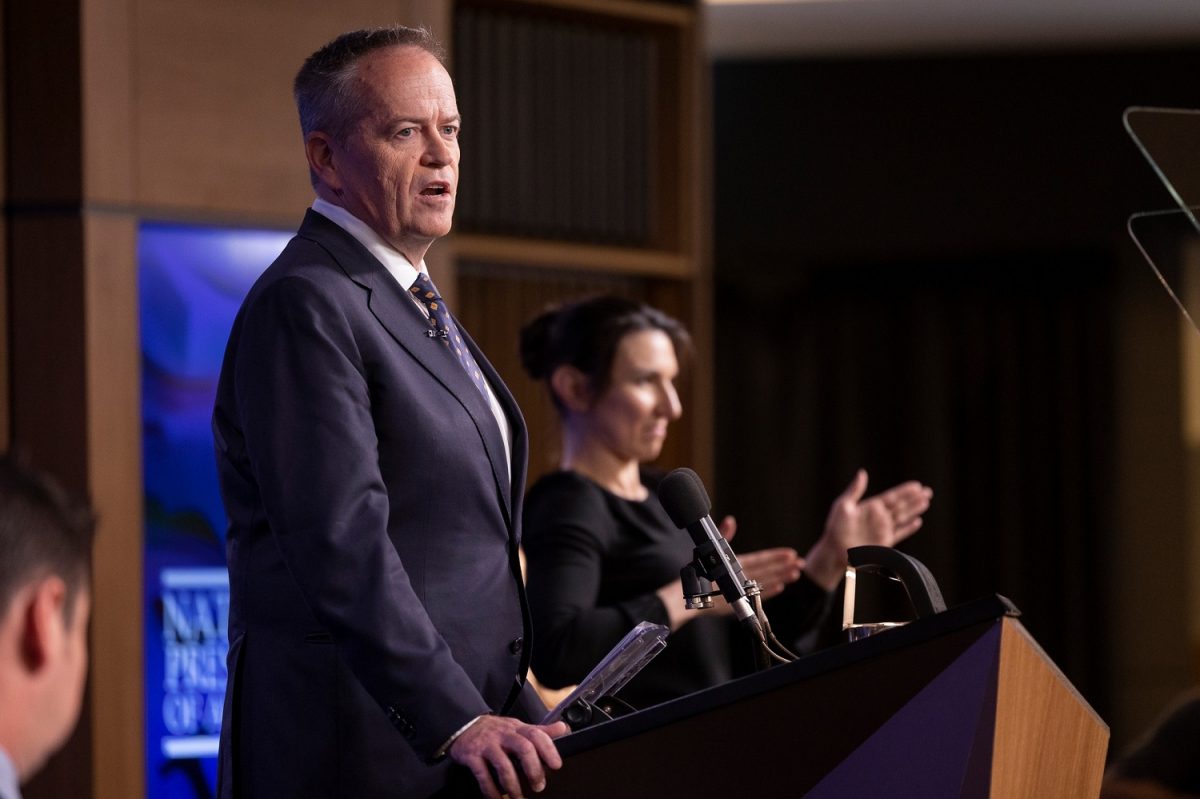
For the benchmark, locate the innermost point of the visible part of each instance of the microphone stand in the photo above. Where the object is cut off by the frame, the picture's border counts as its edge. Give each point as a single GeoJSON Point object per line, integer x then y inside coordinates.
{"type": "Point", "coordinates": [684, 499]}
{"type": "Point", "coordinates": [704, 568]}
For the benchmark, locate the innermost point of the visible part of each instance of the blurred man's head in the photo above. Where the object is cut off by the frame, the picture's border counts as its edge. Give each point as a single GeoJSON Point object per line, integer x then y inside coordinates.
{"type": "Point", "coordinates": [45, 599]}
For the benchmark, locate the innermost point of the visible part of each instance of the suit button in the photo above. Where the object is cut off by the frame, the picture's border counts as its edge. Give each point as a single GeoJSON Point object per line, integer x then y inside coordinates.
{"type": "Point", "coordinates": [400, 723]}
{"type": "Point", "coordinates": [516, 645]}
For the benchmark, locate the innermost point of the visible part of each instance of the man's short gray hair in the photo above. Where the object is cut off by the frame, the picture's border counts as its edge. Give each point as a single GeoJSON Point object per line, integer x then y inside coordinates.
{"type": "Point", "coordinates": [323, 88]}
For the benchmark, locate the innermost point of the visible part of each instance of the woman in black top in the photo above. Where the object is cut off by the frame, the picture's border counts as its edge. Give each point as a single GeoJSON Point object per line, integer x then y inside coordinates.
{"type": "Point", "coordinates": [602, 555]}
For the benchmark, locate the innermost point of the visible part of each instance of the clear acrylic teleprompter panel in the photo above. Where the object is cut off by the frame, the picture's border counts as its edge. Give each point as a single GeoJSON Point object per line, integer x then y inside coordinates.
{"type": "Point", "coordinates": [1170, 243]}
{"type": "Point", "coordinates": [1169, 138]}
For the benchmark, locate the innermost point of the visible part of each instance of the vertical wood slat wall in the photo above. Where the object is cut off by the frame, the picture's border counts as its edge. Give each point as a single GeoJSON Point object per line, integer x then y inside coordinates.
{"type": "Point", "coordinates": [172, 110]}
{"type": "Point", "coordinates": [602, 197]}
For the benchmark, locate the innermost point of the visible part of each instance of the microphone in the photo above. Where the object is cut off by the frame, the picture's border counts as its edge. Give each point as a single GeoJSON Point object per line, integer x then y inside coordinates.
{"type": "Point", "coordinates": [683, 496]}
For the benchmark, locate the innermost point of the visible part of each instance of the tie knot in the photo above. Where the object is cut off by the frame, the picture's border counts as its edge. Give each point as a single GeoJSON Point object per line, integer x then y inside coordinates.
{"type": "Point", "coordinates": [424, 290]}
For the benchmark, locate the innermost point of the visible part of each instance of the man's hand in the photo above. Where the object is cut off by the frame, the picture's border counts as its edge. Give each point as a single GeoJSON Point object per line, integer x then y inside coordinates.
{"type": "Point", "coordinates": [885, 519]}
{"type": "Point", "coordinates": [499, 745]}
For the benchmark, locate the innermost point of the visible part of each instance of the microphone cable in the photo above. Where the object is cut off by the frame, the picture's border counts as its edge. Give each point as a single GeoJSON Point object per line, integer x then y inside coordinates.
{"type": "Point", "coordinates": [780, 654]}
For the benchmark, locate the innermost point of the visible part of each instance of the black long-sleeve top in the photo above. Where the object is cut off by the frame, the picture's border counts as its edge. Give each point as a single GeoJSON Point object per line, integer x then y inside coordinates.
{"type": "Point", "coordinates": [594, 563]}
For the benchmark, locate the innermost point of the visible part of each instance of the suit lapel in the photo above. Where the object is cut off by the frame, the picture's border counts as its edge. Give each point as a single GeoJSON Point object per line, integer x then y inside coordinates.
{"type": "Point", "coordinates": [519, 438]}
{"type": "Point", "coordinates": [396, 312]}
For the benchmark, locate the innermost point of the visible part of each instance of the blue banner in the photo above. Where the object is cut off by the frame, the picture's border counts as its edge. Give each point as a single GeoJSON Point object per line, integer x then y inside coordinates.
{"type": "Point", "coordinates": [192, 279]}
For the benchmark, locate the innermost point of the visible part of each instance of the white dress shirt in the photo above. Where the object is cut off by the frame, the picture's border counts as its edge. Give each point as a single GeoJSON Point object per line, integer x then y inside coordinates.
{"type": "Point", "coordinates": [9, 788]}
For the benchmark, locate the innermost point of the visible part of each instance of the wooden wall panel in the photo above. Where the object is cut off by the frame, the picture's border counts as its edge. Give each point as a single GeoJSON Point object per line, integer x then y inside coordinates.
{"type": "Point", "coordinates": [4, 382]}
{"type": "Point", "coordinates": [43, 246]}
{"type": "Point", "coordinates": [42, 92]}
{"type": "Point", "coordinates": [109, 326]}
{"type": "Point", "coordinates": [3, 118]}
{"type": "Point", "coordinates": [5, 386]}
{"type": "Point", "coordinates": [113, 387]}
{"type": "Point", "coordinates": [47, 346]}
{"type": "Point", "coordinates": [49, 405]}
{"type": "Point", "coordinates": [107, 101]}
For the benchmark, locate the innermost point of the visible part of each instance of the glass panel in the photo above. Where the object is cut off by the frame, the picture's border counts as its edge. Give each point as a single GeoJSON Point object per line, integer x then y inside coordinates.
{"type": "Point", "coordinates": [1170, 140]}
{"type": "Point", "coordinates": [1167, 239]}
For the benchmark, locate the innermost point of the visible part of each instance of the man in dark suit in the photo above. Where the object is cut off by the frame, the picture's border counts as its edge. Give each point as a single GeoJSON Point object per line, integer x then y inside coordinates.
{"type": "Point", "coordinates": [372, 465]}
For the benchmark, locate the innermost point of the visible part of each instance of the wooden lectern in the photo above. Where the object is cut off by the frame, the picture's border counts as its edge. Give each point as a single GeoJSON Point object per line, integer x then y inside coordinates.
{"type": "Point", "coordinates": [961, 704]}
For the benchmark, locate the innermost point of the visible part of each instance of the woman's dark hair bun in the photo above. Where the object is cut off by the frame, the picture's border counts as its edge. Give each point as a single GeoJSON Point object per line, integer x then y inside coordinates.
{"type": "Point", "coordinates": [535, 344]}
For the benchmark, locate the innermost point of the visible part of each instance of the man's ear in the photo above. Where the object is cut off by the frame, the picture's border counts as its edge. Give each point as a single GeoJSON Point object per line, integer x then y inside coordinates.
{"type": "Point", "coordinates": [318, 148]}
{"type": "Point", "coordinates": [43, 622]}
{"type": "Point", "coordinates": [572, 388]}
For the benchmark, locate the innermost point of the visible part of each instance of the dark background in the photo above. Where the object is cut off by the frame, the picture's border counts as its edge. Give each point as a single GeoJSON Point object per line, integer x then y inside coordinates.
{"type": "Point", "coordinates": [921, 268]}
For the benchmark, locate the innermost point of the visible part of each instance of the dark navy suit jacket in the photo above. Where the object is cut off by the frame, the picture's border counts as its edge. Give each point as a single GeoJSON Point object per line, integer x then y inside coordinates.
{"type": "Point", "coordinates": [376, 603]}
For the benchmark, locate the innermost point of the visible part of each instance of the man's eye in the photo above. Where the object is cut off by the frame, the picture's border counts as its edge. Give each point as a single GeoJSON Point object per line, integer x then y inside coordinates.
{"type": "Point", "coordinates": [406, 133]}
{"type": "Point", "coordinates": [450, 130]}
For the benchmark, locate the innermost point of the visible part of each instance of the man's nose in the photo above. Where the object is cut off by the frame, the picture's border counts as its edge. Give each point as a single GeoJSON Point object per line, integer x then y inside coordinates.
{"type": "Point", "coordinates": [438, 151]}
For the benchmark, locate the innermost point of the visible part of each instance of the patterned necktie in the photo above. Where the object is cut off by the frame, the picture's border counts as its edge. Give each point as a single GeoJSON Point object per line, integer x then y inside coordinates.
{"type": "Point", "coordinates": [441, 326]}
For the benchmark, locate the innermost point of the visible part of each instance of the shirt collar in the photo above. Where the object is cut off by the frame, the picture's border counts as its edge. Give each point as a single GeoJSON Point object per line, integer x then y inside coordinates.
{"type": "Point", "coordinates": [392, 259]}
{"type": "Point", "coordinates": [9, 787]}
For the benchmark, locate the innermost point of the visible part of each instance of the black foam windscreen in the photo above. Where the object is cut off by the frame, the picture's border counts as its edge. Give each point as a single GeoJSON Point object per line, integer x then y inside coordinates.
{"type": "Point", "coordinates": [683, 497]}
